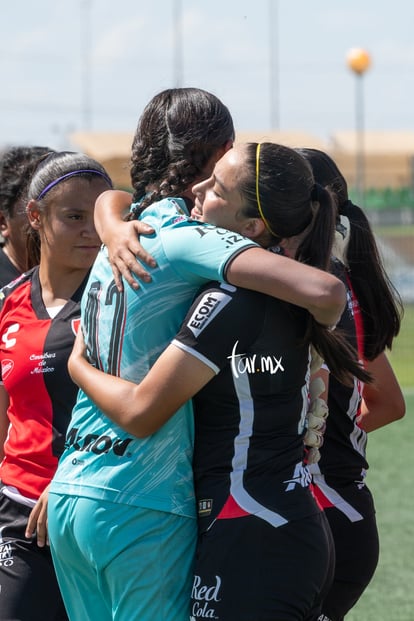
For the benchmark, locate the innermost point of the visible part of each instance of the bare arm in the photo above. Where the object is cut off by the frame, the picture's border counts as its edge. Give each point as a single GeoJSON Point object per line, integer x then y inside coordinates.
{"type": "Point", "coordinates": [321, 293]}
{"type": "Point", "coordinates": [141, 409]}
{"type": "Point", "coordinates": [4, 419]}
{"type": "Point", "coordinates": [111, 208]}
{"type": "Point", "coordinates": [383, 401]}
{"type": "Point", "coordinates": [122, 238]}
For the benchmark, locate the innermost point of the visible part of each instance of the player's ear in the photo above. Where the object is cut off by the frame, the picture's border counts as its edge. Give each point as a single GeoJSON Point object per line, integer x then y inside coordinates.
{"type": "Point", "coordinates": [253, 228]}
{"type": "Point", "coordinates": [4, 225]}
{"type": "Point", "coordinates": [33, 214]}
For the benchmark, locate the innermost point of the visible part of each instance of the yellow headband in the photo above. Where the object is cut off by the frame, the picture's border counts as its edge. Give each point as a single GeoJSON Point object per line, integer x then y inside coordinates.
{"type": "Point", "coordinates": [267, 225]}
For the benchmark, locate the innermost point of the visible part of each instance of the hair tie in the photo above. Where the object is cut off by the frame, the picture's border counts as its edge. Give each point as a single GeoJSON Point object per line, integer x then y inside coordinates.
{"type": "Point", "coordinates": [316, 192]}
{"type": "Point", "coordinates": [72, 174]}
{"type": "Point", "coordinates": [344, 207]}
{"type": "Point", "coordinates": [267, 225]}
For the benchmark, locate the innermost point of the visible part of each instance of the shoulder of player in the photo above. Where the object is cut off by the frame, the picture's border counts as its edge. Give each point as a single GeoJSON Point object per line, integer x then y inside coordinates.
{"type": "Point", "coordinates": [246, 299]}
{"type": "Point", "coordinates": [15, 284]}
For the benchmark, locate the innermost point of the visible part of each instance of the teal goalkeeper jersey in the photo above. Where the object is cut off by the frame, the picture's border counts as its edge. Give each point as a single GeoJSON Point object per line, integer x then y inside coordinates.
{"type": "Point", "coordinates": [125, 333]}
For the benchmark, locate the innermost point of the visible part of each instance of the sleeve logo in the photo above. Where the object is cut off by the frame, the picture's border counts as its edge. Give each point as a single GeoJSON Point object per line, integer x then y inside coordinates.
{"type": "Point", "coordinates": [208, 307]}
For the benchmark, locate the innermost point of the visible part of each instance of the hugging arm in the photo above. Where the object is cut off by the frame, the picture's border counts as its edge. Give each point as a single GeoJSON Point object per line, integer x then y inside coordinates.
{"type": "Point", "coordinates": [122, 238]}
{"type": "Point", "coordinates": [322, 294]}
{"type": "Point", "coordinates": [141, 409]}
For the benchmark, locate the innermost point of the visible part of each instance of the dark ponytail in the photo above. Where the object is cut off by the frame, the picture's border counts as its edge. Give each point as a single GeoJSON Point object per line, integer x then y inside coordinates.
{"type": "Point", "coordinates": [333, 346]}
{"type": "Point", "coordinates": [316, 247]}
{"type": "Point", "coordinates": [380, 304]}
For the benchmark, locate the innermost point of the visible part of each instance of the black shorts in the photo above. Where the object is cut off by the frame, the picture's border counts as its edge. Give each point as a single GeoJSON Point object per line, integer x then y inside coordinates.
{"type": "Point", "coordinates": [250, 571]}
{"type": "Point", "coordinates": [356, 551]}
{"type": "Point", "coordinates": [28, 585]}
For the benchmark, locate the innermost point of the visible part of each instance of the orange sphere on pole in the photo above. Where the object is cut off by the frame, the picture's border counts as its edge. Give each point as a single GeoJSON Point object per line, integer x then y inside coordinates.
{"type": "Point", "coordinates": [358, 60]}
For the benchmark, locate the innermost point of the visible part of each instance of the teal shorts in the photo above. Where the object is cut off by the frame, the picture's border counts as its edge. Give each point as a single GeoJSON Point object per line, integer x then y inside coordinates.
{"type": "Point", "coordinates": [119, 562]}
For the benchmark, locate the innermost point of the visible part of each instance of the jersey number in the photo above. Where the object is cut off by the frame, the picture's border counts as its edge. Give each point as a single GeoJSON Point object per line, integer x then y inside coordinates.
{"type": "Point", "coordinates": [114, 298]}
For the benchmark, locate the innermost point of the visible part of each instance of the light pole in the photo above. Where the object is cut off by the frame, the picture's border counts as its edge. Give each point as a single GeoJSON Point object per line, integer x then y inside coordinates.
{"type": "Point", "coordinates": [274, 63]}
{"type": "Point", "coordinates": [359, 61]}
{"type": "Point", "coordinates": [178, 43]}
{"type": "Point", "coordinates": [86, 85]}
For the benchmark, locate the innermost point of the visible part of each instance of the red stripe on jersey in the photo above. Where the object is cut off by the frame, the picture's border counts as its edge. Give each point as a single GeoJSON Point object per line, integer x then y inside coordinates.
{"type": "Point", "coordinates": [359, 327]}
{"type": "Point", "coordinates": [231, 510]}
{"type": "Point", "coordinates": [359, 331]}
{"type": "Point", "coordinates": [320, 497]}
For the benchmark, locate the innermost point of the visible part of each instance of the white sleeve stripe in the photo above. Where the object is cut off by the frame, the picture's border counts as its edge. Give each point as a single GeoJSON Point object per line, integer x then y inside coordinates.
{"type": "Point", "coordinates": [196, 354]}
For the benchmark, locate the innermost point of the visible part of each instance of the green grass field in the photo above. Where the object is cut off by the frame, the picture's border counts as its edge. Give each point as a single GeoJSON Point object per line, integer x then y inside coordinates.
{"type": "Point", "coordinates": [402, 353]}
{"type": "Point", "coordinates": [390, 596]}
{"type": "Point", "coordinates": [396, 231]}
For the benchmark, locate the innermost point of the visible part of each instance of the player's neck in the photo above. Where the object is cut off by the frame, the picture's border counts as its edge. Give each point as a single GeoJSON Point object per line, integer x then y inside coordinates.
{"type": "Point", "coordinates": [59, 285]}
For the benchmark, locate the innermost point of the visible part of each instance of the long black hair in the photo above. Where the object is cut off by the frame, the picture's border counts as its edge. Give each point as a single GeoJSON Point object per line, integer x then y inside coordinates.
{"type": "Point", "coordinates": [379, 301]}
{"type": "Point", "coordinates": [16, 167]}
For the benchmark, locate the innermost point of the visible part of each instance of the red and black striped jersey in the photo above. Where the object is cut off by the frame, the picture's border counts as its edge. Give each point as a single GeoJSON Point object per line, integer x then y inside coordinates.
{"type": "Point", "coordinates": [34, 350]}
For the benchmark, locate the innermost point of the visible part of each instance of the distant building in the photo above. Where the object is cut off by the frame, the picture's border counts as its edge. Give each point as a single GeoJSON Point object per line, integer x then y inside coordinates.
{"type": "Point", "coordinates": [388, 155]}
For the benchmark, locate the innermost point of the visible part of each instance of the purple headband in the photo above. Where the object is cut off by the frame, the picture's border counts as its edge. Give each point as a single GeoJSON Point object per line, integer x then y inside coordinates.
{"type": "Point", "coordinates": [72, 174]}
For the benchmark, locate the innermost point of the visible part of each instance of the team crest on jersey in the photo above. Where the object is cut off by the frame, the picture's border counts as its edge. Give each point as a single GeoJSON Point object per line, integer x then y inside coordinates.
{"type": "Point", "coordinates": [75, 325]}
{"type": "Point", "coordinates": [6, 368]}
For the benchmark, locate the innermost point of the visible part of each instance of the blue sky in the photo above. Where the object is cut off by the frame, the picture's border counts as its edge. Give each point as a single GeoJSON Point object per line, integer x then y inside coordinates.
{"type": "Point", "coordinates": [94, 64]}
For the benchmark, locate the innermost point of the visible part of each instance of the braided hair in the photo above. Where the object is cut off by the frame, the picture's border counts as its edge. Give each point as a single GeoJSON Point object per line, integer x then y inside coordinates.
{"type": "Point", "coordinates": [178, 133]}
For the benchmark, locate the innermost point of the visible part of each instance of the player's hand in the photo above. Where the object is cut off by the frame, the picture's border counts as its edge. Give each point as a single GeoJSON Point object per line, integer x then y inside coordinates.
{"type": "Point", "coordinates": [77, 357]}
{"type": "Point", "coordinates": [124, 249]}
{"type": "Point", "coordinates": [37, 522]}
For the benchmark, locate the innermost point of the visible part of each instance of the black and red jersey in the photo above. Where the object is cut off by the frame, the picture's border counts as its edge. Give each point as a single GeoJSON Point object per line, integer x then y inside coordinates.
{"type": "Point", "coordinates": [249, 419]}
{"type": "Point", "coordinates": [343, 461]}
{"type": "Point", "coordinates": [34, 350]}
